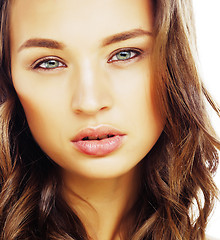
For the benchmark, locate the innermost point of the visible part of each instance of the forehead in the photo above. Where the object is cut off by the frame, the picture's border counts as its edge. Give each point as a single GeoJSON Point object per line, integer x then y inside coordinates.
{"type": "Point", "coordinates": [78, 20]}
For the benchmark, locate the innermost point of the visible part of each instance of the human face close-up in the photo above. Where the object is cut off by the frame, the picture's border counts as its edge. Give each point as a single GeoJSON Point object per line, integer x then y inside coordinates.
{"type": "Point", "coordinates": [82, 72]}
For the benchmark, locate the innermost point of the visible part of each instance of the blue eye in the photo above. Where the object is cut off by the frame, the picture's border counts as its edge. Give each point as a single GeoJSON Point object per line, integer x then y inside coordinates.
{"type": "Point", "coordinates": [124, 55]}
{"type": "Point", "coordinates": [48, 64]}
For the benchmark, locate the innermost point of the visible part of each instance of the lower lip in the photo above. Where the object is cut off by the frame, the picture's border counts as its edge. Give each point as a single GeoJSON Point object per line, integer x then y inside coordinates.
{"type": "Point", "coordinates": [99, 147]}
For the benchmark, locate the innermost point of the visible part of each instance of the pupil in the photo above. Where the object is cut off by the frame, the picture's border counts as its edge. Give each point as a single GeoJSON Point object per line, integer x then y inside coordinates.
{"type": "Point", "coordinates": [123, 55]}
{"type": "Point", "coordinates": [52, 64]}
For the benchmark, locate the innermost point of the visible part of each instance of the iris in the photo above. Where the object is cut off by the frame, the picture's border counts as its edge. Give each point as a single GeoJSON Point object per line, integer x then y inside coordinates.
{"type": "Point", "coordinates": [123, 55]}
{"type": "Point", "coordinates": [50, 64]}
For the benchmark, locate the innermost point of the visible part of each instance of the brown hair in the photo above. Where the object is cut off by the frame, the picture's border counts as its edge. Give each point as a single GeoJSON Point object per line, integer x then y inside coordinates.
{"type": "Point", "coordinates": [174, 179]}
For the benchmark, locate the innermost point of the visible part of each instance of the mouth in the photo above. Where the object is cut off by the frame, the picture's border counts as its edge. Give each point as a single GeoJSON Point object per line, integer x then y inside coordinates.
{"type": "Point", "coordinates": [91, 138]}
{"type": "Point", "coordinates": [98, 141]}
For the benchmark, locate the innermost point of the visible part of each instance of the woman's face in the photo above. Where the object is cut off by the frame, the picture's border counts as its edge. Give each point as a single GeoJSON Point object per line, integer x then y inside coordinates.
{"type": "Point", "coordinates": [82, 72]}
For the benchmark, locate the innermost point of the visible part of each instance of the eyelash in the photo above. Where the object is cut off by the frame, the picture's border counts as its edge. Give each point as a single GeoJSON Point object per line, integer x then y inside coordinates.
{"type": "Point", "coordinates": [37, 64]}
{"type": "Point", "coordinates": [133, 53]}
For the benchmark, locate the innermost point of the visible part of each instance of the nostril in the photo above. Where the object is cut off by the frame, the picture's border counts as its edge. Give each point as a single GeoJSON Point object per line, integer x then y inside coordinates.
{"type": "Point", "coordinates": [103, 108]}
{"type": "Point", "coordinates": [78, 111]}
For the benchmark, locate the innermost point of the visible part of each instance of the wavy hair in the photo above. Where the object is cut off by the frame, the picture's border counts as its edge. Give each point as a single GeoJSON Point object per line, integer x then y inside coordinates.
{"type": "Point", "coordinates": [176, 174]}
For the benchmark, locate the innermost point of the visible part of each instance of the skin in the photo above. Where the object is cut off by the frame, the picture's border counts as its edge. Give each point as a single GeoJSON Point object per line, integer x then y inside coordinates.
{"type": "Point", "coordinates": [89, 87]}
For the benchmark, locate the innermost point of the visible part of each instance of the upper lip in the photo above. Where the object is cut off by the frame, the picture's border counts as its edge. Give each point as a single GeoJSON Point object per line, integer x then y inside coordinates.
{"type": "Point", "coordinates": [96, 132]}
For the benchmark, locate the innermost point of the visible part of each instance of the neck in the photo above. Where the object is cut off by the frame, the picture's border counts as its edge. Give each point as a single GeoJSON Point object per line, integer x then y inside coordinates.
{"type": "Point", "coordinates": [101, 204]}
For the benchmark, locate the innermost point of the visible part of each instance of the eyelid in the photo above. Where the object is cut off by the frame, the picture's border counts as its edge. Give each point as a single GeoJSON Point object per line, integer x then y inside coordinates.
{"type": "Point", "coordinates": [138, 52]}
{"type": "Point", "coordinates": [39, 61]}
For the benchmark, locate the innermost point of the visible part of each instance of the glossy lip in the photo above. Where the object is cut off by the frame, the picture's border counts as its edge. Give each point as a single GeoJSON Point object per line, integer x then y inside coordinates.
{"type": "Point", "coordinates": [98, 147]}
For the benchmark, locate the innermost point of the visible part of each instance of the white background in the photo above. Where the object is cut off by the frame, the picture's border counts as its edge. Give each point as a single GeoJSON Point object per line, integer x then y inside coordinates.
{"type": "Point", "coordinates": [207, 17]}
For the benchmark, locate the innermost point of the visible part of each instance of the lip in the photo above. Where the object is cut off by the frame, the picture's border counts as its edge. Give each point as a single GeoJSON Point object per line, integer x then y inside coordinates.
{"type": "Point", "coordinates": [98, 147]}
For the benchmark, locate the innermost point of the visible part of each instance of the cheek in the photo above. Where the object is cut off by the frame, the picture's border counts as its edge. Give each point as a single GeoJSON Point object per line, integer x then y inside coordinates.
{"type": "Point", "coordinates": [41, 115]}
{"type": "Point", "coordinates": [143, 112]}
{"type": "Point", "coordinates": [38, 98]}
{"type": "Point", "coordinates": [32, 108]}
{"type": "Point", "coordinates": [35, 113]}
{"type": "Point", "coordinates": [45, 123]}
{"type": "Point", "coordinates": [148, 117]}
{"type": "Point", "coordinates": [33, 102]}
{"type": "Point", "coordinates": [136, 90]}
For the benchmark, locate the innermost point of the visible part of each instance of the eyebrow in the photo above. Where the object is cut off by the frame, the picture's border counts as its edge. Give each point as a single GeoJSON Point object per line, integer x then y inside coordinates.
{"type": "Point", "coordinates": [125, 36]}
{"type": "Point", "coordinates": [41, 42]}
{"type": "Point", "coordinates": [53, 44]}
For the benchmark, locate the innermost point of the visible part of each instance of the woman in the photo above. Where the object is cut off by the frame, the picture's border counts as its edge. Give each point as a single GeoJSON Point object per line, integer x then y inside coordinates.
{"type": "Point", "coordinates": [103, 127]}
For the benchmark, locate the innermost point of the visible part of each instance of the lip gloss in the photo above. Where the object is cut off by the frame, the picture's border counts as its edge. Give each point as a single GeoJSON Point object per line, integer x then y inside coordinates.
{"type": "Point", "coordinates": [98, 141]}
{"type": "Point", "coordinates": [99, 147]}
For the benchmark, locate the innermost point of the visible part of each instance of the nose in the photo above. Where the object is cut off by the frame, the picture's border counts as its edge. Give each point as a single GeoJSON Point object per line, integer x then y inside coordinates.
{"type": "Point", "coordinates": [92, 93]}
